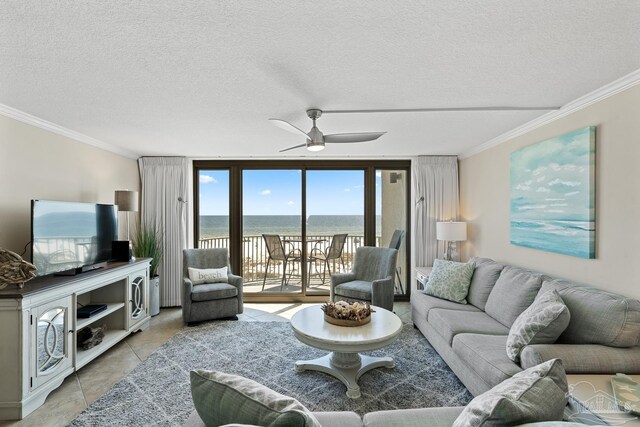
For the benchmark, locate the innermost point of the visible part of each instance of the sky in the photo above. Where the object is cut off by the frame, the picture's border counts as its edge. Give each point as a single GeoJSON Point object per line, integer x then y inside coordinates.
{"type": "Point", "coordinates": [553, 179]}
{"type": "Point", "coordinates": [278, 192]}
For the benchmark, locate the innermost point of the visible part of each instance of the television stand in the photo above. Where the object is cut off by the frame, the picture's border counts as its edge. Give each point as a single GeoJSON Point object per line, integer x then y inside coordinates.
{"type": "Point", "coordinates": [39, 325]}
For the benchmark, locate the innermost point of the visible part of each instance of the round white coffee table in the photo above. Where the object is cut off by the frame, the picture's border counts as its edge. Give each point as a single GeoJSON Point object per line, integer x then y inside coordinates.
{"type": "Point", "coordinates": [345, 343]}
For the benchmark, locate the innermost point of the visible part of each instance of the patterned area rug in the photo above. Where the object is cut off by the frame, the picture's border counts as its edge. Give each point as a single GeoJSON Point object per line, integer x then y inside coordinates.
{"type": "Point", "coordinates": [157, 391]}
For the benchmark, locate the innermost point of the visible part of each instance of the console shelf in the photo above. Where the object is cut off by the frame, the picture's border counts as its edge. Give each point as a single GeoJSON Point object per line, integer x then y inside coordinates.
{"type": "Point", "coordinates": [111, 307]}
{"type": "Point", "coordinates": [110, 338]}
{"type": "Point", "coordinates": [39, 324]}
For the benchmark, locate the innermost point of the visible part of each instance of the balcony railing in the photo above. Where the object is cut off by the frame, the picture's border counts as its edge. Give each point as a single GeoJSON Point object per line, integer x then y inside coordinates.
{"type": "Point", "coordinates": [255, 254]}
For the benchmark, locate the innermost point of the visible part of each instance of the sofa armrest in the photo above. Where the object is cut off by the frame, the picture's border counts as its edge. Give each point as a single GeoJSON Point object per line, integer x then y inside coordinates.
{"type": "Point", "coordinates": [237, 281]}
{"type": "Point", "coordinates": [188, 285]}
{"type": "Point", "coordinates": [234, 280]}
{"type": "Point", "coordinates": [187, 288]}
{"type": "Point", "coordinates": [382, 293]}
{"type": "Point", "coordinates": [584, 358]}
{"type": "Point", "coordinates": [338, 278]}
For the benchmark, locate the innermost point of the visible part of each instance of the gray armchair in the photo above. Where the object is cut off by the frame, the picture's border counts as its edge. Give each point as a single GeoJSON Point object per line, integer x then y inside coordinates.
{"type": "Point", "coordinates": [209, 300]}
{"type": "Point", "coordinates": [370, 279]}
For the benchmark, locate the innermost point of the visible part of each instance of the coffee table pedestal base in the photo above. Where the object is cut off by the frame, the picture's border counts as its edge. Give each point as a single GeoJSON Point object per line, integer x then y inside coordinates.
{"type": "Point", "coordinates": [347, 367]}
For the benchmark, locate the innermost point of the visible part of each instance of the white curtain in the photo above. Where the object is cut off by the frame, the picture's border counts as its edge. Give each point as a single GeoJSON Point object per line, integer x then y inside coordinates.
{"type": "Point", "coordinates": [435, 190]}
{"type": "Point", "coordinates": [164, 196]}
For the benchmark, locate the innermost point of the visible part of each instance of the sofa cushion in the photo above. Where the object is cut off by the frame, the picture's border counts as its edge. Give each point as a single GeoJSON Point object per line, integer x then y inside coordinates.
{"type": "Point", "coordinates": [450, 323]}
{"type": "Point", "coordinates": [338, 419]}
{"type": "Point", "coordinates": [484, 278]}
{"type": "Point", "coordinates": [541, 323]}
{"type": "Point", "coordinates": [211, 291]}
{"type": "Point", "coordinates": [449, 280]}
{"type": "Point", "coordinates": [485, 355]}
{"type": "Point", "coordinates": [422, 304]}
{"type": "Point", "coordinates": [358, 289]}
{"type": "Point", "coordinates": [513, 292]}
{"type": "Point", "coordinates": [223, 398]}
{"type": "Point", "coordinates": [420, 417]}
{"type": "Point", "coordinates": [326, 419]}
{"type": "Point", "coordinates": [597, 316]}
{"type": "Point", "coordinates": [537, 394]}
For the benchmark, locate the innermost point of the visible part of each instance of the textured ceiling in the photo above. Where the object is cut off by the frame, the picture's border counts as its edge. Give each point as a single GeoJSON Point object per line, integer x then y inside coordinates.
{"type": "Point", "coordinates": [201, 78]}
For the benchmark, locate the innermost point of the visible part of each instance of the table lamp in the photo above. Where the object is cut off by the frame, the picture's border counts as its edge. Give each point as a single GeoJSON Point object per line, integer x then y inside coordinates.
{"type": "Point", "coordinates": [451, 231]}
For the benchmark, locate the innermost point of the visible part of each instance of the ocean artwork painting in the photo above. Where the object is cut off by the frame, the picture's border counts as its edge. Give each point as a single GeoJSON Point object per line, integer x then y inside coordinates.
{"type": "Point", "coordinates": [552, 187]}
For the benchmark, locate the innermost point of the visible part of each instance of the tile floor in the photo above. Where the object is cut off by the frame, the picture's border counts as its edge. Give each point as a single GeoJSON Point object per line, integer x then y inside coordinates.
{"type": "Point", "coordinates": [92, 381]}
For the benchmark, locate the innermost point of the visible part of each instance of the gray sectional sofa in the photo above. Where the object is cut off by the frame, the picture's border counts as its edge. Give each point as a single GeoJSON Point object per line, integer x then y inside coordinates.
{"type": "Point", "coordinates": [603, 336]}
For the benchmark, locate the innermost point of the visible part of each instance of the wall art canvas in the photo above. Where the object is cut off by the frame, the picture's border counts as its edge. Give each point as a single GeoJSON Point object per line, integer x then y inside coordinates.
{"type": "Point", "coordinates": [553, 194]}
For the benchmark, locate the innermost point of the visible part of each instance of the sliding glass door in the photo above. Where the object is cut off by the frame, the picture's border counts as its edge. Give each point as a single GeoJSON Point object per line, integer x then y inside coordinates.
{"type": "Point", "coordinates": [272, 230]}
{"type": "Point", "coordinates": [335, 224]}
{"type": "Point", "coordinates": [289, 225]}
{"type": "Point", "coordinates": [213, 220]}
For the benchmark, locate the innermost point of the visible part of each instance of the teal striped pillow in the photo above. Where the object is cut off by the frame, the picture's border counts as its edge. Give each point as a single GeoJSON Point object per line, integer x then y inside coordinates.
{"type": "Point", "coordinates": [223, 398]}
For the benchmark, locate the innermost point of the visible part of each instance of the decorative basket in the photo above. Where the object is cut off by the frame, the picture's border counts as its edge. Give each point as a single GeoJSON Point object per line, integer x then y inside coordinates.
{"type": "Point", "coordinates": [347, 322]}
{"type": "Point", "coordinates": [341, 313]}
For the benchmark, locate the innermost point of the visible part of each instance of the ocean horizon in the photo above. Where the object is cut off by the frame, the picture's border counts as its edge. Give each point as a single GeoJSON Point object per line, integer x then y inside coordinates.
{"type": "Point", "coordinates": [567, 237]}
{"type": "Point", "coordinates": [212, 226]}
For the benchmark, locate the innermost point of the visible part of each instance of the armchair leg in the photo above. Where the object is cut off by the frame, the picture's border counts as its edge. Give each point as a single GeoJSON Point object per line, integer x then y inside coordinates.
{"type": "Point", "coordinates": [290, 274]}
{"type": "Point", "coordinates": [266, 270]}
{"type": "Point", "coordinates": [324, 272]}
{"type": "Point", "coordinates": [284, 274]}
{"type": "Point", "coordinates": [399, 281]}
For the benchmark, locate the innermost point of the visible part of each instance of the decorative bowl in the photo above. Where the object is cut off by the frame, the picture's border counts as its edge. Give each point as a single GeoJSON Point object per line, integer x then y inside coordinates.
{"type": "Point", "coordinates": [341, 313]}
{"type": "Point", "coordinates": [347, 322]}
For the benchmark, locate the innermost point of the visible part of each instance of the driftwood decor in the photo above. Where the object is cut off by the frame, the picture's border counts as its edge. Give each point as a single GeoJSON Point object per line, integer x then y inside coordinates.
{"type": "Point", "coordinates": [89, 337]}
{"type": "Point", "coordinates": [14, 270]}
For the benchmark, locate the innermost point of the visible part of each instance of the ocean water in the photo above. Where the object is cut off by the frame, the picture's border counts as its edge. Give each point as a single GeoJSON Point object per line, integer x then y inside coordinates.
{"type": "Point", "coordinates": [255, 225]}
{"type": "Point", "coordinates": [576, 238]}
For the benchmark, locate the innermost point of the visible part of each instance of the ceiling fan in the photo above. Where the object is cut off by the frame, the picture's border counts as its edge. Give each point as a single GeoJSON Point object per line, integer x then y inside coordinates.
{"type": "Point", "coordinates": [316, 139]}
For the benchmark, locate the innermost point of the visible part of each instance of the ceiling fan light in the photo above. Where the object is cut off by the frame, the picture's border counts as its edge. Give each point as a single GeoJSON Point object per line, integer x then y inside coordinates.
{"type": "Point", "coordinates": [315, 147]}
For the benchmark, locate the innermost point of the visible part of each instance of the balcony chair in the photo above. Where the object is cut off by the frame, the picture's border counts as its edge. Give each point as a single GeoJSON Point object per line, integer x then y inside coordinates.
{"type": "Point", "coordinates": [332, 253]}
{"type": "Point", "coordinates": [370, 279]}
{"type": "Point", "coordinates": [396, 240]}
{"type": "Point", "coordinates": [209, 300]}
{"type": "Point", "coordinates": [277, 253]}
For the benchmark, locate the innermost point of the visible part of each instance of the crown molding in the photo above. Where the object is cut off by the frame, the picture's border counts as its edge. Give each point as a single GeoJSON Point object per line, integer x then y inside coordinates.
{"type": "Point", "coordinates": [29, 119]}
{"type": "Point", "coordinates": [617, 86]}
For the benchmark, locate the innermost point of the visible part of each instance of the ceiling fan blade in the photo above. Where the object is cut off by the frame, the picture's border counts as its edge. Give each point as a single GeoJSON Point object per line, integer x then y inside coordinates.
{"type": "Point", "coordinates": [353, 137]}
{"type": "Point", "coordinates": [294, 147]}
{"type": "Point", "coordinates": [288, 127]}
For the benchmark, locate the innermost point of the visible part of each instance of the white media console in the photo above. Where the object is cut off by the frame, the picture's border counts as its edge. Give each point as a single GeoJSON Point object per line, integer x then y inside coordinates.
{"type": "Point", "coordinates": [39, 326]}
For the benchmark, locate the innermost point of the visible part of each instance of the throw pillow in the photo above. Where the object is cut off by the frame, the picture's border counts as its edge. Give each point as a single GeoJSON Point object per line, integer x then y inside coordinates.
{"type": "Point", "coordinates": [542, 323]}
{"type": "Point", "coordinates": [450, 280]}
{"type": "Point", "coordinates": [221, 398]}
{"type": "Point", "coordinates": [537, 394]}
{"type": "Point", "coordinates": [208, 275]}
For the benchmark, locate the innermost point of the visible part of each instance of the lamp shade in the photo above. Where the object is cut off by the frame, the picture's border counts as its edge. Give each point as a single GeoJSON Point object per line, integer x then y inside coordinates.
{"type": "Point", "coordinates": [126, 200]}
{"type": "Point", "coordinates": [451, 231]}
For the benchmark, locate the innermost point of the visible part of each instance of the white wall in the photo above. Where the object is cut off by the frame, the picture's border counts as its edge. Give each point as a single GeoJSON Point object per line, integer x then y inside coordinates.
{"type": "Point", "coordinates": [394, 214]}
{"type": "Point", "coordinates": [484, 198]}
{"type": "Point", "coordinates": [38, 164]}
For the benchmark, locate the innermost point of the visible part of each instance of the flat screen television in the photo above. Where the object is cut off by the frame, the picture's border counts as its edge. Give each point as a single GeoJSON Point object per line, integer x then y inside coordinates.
{"type": "Point", "coordinates": [67, 235]}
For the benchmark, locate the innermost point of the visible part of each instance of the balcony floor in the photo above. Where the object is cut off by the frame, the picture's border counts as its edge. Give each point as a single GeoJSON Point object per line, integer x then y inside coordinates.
{"type": "Point", "coordinates": [294, 286]}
